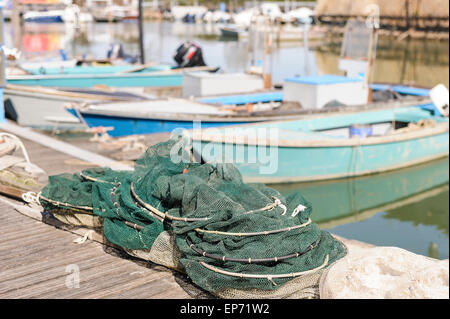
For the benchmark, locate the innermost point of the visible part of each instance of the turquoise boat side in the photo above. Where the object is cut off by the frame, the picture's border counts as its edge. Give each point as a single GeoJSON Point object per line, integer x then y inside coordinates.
{"type": "Point", "coordinates": [290, 164]}
{"type": "Point", "coordinates": [406, 114]}
{"type": "Point", "coordinates": [112, 80]}
{"type": "Point", "coordinates": [281, 164]}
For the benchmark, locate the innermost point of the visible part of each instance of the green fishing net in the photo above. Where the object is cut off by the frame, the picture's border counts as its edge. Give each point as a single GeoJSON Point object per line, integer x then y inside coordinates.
{"type": "Point", "coordinates": [228, 234]}
{"type": "Point", "coordinates": [69, 196]}
{"type": "Point", "coordinates": [236, 226]}
{"type": "Point", "coordinates": [76, 189]}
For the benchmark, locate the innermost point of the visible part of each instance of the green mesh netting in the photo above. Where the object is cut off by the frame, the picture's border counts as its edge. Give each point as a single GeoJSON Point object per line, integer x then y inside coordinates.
{"type": "Point", "coordinates": [76, 189]}
{"type": "Point", "coordinates": [227, 231]}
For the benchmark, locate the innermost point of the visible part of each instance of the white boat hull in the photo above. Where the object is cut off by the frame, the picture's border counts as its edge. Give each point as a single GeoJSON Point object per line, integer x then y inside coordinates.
{"type": "Point", "coordinates": [43, 111]}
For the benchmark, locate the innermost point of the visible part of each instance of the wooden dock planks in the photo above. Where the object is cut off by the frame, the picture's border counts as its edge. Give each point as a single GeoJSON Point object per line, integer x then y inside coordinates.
{"type": "Point", "coordinates": [34, 255]}
{"type": "Point", "coordinates": [33, 265]}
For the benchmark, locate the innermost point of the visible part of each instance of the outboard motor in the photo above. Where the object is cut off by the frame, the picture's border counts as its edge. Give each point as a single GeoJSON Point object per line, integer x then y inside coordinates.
{"type": "Point", "coordinates": [189, 55]}
{"type": "Point", "coordinates": [189, 18]}
{"type": "Point", "coordinates": [116, 52]}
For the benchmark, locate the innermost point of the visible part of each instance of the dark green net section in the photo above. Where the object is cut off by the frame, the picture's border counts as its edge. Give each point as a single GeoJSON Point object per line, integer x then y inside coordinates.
{"type": "Point", "coordinates": [217, 219]}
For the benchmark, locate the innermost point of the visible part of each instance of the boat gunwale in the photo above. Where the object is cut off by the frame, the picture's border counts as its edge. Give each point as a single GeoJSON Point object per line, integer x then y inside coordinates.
{"type": "Point", "coordinates": [58, 94]}
{"type": "Point", "coordinates": [171, 72]}
{"type": "Point", "coordinates": [247, 120]}
{"type": "Point", "coordinates": [440, 128]}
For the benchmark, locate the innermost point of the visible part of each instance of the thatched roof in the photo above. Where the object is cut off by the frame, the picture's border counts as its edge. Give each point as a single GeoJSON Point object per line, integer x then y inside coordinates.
{"type": "Point", "coordinates": [390, 8]}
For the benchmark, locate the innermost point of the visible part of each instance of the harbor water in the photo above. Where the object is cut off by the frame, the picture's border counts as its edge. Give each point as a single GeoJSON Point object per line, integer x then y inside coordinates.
{"type": "Point", "coordinates": [407, 208]}
{"type": "Point", "coordinates": [412, 62]}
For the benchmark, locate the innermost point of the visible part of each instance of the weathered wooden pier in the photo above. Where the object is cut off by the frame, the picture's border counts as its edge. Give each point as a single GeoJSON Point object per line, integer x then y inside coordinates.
{"type": "Point", "coordinates": [38, 253]}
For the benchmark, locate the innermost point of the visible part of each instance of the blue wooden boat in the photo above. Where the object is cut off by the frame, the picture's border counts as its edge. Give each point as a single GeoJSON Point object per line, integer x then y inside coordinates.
{"type": "Point", "coordinates": [156, 116]}
{"type": "Point", "coordinates": [328, 147]}
{"type": "Point", "coordinates": [84, 79]}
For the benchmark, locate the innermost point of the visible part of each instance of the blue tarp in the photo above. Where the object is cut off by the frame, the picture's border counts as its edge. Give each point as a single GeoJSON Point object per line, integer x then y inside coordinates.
{"type": "Point", "coordinates": [245, 99]}
{"type": "Point", "coordinates": [242, 99]}
{"type": "Point", "coordinates": [401, 89]}
{"type": "Point", "coordinates": [322, 79]}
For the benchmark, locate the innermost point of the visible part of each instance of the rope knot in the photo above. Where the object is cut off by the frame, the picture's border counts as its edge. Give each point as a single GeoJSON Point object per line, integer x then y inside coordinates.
{"type": "Point", "coordinates": [30, 197]}
{"type": "Point", "coordinates": [298, 209]}
{"type": "Point", "coordinates": [269, 278]}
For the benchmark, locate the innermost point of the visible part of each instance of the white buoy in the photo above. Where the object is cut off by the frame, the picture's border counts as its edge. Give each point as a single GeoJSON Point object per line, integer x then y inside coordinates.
{"type": "Point", "coordinates": [439, 97]}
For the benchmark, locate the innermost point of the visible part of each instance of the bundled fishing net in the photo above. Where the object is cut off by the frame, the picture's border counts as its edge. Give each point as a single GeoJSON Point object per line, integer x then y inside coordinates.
{"type": "Point", "coordinates": [244, 240]}
{"type": "Point", "coordinates": [233, 239]}
{"type": "Point", "coordinates": [69, 196]}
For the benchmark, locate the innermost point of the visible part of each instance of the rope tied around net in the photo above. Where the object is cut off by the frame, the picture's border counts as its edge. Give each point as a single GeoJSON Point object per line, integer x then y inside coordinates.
{"type": "Point", "coordinates": [298, 209]}
{"type": "Point", "coordinates": [266, 232]}
{"type": "Point", "coordinates": [261, 276]}
{"type": "Point", "coordinates": [250, 260]}
{"type": "Point", "coordinates": [82, 209]}
{"type": "Point", "coordinates": [276, 202]}
{"type": "Point", "coordinates": [93, 179]}
{"type": "Point", "coordinates": [166, 215]}
{"type": "Point", "coordinates": [157, 212]}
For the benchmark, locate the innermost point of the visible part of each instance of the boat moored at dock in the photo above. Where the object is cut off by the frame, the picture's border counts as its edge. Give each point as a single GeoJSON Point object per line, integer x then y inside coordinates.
{"type": "Point", "coordinates": [324, 148]}
{"type": "Point", "coordinates": [24, 104]}
{"type": "Point", "coordinates": [165, 78]}
{"type": "Point", "coordinates": [165, 115]}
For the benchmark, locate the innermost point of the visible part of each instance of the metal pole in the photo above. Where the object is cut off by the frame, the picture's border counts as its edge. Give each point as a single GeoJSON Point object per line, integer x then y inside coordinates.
{"type": "Point", "coordinates": [2, 65]}
{"type": "Point", "coordinates": [15, 19]}
{"type": "Point", "coordinates": [305, 45]}
{"type": "Point", "coordinates": [370, 64]}
{"type": "Point", "coordinates": [141, 33]}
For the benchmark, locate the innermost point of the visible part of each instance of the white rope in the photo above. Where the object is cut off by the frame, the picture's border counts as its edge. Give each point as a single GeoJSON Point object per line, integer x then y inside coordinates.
{"type": "Point", "coordinates": [276, 202]}
{"type": "Point", "coordinates": [268, 277]}
{"type": "Point", "coordinates": [267, 232]}
{"type": "Point", "coordinates": [19, 144]}
{"type": "Point", "coordinates": [82, 240]}
{"type": "Point", "coordinates": [298, 209]}
{"type": "Point", "coordinates": [30, 197]}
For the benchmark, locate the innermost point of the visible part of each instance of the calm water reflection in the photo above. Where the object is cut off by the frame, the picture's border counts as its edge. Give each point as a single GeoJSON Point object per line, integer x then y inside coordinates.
{"type": "Point", "coordinates": [423, 63]}
{"type": "Point", "coordinates": [407, 208]}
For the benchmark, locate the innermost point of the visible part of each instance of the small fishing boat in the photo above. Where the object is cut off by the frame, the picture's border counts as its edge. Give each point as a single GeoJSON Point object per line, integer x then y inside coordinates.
{"type": "Point", "coordinates": [328, 147]}
{"type": "Point", "coordinates": [155, 116]}
{"type": "Point", "coordinates": [165, 115]}
{"type": "Point", "coordinates": [24, 104]}
{"type": "Point", "coordinates": [51, 16]}
{"type": "Point", "coordinates": [98, 68]}
{"type": "Point", "coordinates": [232, 32]}
{"type": "Point", "coordinates": [124, 78]}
